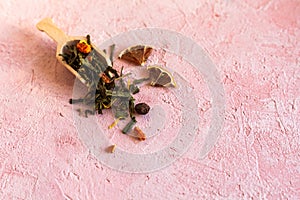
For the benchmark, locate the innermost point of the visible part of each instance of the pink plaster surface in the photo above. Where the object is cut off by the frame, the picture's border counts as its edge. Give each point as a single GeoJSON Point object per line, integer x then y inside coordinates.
{"type": "Point", "coordinates": [255, 46]}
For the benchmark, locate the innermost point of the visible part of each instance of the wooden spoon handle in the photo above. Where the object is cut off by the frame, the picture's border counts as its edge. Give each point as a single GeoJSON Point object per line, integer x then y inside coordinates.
{"type": "Point", "coordinates": [46, 25]}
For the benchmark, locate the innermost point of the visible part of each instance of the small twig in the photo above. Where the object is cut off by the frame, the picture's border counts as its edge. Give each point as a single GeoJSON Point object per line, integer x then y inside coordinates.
{"type": "Point", "coordinates": [112, 50]}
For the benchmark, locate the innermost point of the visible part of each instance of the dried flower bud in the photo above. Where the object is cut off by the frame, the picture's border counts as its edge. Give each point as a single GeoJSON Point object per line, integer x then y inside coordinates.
{"type": "Point", "coordinates": [83, 46]}
{"type": "Point", "coordinates": [142, 108]}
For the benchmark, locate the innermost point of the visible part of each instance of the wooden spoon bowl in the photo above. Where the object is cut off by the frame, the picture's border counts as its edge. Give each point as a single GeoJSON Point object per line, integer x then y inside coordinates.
{"type": "Point", "coordinates": [46, 25]}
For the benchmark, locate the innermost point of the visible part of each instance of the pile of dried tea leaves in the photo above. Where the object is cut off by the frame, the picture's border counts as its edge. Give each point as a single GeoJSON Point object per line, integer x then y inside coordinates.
{"type": "Point", "coordinates": [106, 87]}
{"type": "Point", "coordinates": [87, 61]}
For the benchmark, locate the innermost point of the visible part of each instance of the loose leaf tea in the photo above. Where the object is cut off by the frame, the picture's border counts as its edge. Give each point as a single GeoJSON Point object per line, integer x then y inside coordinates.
{"type": "Point", "coordinates": [160, 77]}
{"type": "Point", "coordinates": [108, 89]}
{"type": "Point", "coordinates": [136, 54]}
{"type": "Point", "coordinates": [84, 59]}
{"type": "Point", "coordinates": [129, 126]}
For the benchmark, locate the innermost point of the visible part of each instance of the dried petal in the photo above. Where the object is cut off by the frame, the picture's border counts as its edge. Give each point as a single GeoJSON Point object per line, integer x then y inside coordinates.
{"type": "Point", "coordinates": [141, 135]}
{"type": "Point", "coordinates": [83, 46]}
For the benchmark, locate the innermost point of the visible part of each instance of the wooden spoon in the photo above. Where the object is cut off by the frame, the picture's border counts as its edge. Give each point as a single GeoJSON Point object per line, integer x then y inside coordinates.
{"type": "Point", "coordinates": [46, 25]}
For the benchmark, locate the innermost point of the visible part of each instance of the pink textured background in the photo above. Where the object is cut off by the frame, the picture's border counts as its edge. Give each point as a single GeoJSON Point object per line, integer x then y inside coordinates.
{"type": "Point", "coordinates": [255, 46]}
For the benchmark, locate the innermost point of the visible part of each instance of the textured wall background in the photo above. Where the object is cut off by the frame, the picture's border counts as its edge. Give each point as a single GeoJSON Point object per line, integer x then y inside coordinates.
{"type": "Point", "coordinates": [254, 44]}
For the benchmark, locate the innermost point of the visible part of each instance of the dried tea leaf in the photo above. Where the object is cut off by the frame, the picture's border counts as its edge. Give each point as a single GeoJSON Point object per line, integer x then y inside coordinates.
{"type": "Point", "coordinates": [160, 77]}
{"type": "Point", "coordinates": [129, 126]}
{"type": "Point", "coordinates": [136, 54]}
